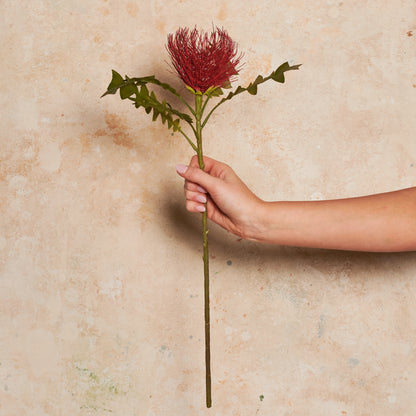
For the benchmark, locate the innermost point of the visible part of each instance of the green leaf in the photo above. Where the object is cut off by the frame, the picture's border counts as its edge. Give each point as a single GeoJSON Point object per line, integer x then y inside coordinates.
{"type": "Point", "coordinates": [144, 91]}
{"type": "Point", "coordinates": [116, 82]}
{"type": "Point", "coordinates": [135, 89]}
{"type": "Point", "coordinates": [128, 90]}
{"type": "Point", "coordinates": [252, 89]}
{"type": "Point", "coordinates": [217, 92]}
{"type": "Point", "coordinates": [160, 109]}
{"type": "Point", "coordinates": [213, 92]}
{"type": "Point", "coordinates": [155, 114]}
{"type": "Point", "coordinates": [152, 80]}
{"type": "Point", "coordinates": [176, 125]}
{"type": "Point", "coordinates": [227, 85]}
{"type": "Point", "coordinates": [276, 75]}
{"type": "Point", "coordinates": [258, 80]}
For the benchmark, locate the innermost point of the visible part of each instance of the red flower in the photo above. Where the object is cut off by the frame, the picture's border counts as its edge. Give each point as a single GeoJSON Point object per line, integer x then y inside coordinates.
{"type": "Point", "coordinates": [204, 60]}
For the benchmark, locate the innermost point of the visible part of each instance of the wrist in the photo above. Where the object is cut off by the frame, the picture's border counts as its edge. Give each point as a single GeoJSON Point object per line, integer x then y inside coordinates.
{"type": "Point", "coordinates": [256, 224]}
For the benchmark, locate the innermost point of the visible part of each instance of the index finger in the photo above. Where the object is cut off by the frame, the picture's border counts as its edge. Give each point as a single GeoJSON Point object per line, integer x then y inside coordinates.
{"type": "Point", "coordinates": [211, 165]}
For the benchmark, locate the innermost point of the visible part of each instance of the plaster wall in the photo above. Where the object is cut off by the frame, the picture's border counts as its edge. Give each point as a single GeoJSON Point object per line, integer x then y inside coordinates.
{"type": "Point", "coordinates": [101, 305]}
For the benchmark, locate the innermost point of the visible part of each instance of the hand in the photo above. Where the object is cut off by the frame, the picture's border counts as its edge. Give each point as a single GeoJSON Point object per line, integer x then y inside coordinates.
{"type": "Point", "coordinates": [229, 202]}
{"type": "Point", "coordinates": [380, 222]}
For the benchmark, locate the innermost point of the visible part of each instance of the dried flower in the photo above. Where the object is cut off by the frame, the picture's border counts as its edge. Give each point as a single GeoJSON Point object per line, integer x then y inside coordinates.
{"type": "Point", "coordinates": [204, 60]}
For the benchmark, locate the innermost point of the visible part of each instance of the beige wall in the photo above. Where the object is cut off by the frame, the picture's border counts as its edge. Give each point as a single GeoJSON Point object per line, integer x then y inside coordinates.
{"type": "Point", "coordinates": [101, 276]}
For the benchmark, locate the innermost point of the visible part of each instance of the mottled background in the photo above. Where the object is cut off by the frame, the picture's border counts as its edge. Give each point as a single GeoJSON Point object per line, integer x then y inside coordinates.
{"type": "Point", "coordinates": [101, 306]}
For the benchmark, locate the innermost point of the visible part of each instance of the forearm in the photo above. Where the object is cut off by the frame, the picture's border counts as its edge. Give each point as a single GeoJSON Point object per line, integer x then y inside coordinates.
{"type": "Point", "coordinates": [382, 222]}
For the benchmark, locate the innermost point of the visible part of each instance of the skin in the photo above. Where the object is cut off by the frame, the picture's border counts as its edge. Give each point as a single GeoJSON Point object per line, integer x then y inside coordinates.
{"type": "Point", "coordinates": [378, 223]}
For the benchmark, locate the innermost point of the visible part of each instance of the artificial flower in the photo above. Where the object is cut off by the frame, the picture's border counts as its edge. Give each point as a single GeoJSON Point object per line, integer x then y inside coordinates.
{"type": "Point", "coordinates": [204, 60]}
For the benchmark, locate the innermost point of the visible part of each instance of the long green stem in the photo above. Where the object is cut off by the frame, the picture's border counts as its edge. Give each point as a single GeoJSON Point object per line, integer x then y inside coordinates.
{"type": "Point", "coordinates": [198, 116]}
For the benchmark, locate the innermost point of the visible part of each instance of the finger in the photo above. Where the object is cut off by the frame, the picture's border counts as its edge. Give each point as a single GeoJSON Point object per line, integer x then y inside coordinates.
{"type": "Point", "coordinates": [193, 206]}
{"type": "Point", "coordinates": [211, 166]}
{"type": "Point", "coordinates": [196, 175]}
{"type": "Point", "coordinates": [190, 186]}
{"type": "Point", "coordinates": [194, 161]}
{"type": "Point", "coordinates": [195, 196]}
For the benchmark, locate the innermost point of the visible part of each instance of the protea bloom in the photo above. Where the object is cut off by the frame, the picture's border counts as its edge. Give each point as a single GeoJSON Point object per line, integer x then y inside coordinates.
{"type": "Point", "coordinates": [204, 60]}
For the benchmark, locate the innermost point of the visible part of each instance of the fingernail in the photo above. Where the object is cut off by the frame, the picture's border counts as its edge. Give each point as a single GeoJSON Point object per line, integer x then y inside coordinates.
{"type": "Point", "coordinates": [200, 208]}
{"type": "Point", "coordinates": [201, 189]}
{"type": "Point", "coordinates": [181, 168]}
{"type": "Point", "coordinates": [201, 198]}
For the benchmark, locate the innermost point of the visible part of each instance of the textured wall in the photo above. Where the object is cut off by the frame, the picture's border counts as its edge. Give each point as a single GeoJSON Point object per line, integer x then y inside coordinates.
{"type": "Point", "coordinates": [101, 307]}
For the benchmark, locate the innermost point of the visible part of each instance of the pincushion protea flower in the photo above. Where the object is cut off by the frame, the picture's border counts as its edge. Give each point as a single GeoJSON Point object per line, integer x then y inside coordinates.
{"type": "Point", "coordinates": [206, 63]}
{"type": "Point", "coordinates": [203, 60]}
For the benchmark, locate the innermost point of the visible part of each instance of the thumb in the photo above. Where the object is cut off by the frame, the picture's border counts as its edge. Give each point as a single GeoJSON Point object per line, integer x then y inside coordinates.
{"type": "Point", "coordinates": [196, 175]}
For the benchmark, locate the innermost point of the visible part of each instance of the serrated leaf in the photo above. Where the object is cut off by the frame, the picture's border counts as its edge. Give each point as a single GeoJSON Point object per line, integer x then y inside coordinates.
{"type": "Point", "coordinates": [218, 92]}
{"type": "Point", "coordinates": [176, 125]}
{"type": "Point", "coordinates": [230, 95]}
{"type": "Point", "coordinates": [127, 91]}
{"type": "Point", "coordinates": [144, 91]}
{"type": "Point", "coordinates": [278, 74]}
{"type": "Point", "coordinates": [252, 89]}
{"type": "Point", "coordinates": [136, 90]}
{"type": "Point", "coordinates": [258, 80]}
{"type": "Point", "coordinates": [155, 114]}
{"type": "Point", "coordinates": [227, 85]}
{"type": "Point", "coordinates": [213, 92]}
{"type": "Point", "coordinates": [116, 82]}
{"type": "Point", "coordinates": [152, 80]}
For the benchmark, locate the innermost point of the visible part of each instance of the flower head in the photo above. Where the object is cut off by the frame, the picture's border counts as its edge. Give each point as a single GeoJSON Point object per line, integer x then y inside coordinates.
{"type": "Point", "coordinates": [204, 60]}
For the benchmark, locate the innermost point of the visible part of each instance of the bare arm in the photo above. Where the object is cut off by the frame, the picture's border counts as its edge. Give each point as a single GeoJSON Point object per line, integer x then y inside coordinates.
{"type": "Point", "coordinates": [382, 222]}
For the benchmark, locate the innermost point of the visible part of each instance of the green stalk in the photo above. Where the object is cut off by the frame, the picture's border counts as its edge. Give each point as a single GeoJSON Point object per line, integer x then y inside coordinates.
{"type": "Point", "coordinates": [198, 134]}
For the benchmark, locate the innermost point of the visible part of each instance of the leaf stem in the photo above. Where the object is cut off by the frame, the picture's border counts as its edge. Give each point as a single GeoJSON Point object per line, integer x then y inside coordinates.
{"type": "Point", "coordinates": [189, 140]}
{"type": "Point", "coordinates": [193, 129]}
{"type": "Point", "coordinates": [186, 103]}
{"type": "Point", "coordinates": [198, 116]}
{"type": "Point", "coordinates": [209, 114]}
{"type": "Point", "coordinates": [237, 91]}
{"type": "Point", "coordinates": [204, 105]}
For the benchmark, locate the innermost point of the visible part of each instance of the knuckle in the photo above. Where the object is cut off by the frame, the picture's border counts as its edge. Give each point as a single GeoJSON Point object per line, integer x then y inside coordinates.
{"type": "Point", "coordinates": [190, 195]}
{"type": "Point", "coordinates": [189, 186]}
{"type": "Point", "coordinates": [189, 205]}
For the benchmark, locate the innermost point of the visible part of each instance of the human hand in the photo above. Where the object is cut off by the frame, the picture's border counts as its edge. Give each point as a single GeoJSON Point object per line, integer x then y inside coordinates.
{"type": "Point", "coordinates": [229, 202]}
{"type": "Point", "coordinates": [382, 222]}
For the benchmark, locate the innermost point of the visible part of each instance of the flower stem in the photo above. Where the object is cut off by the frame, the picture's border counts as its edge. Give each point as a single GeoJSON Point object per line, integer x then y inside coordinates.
{"type": "Point", "coordinates": [198, 134]}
